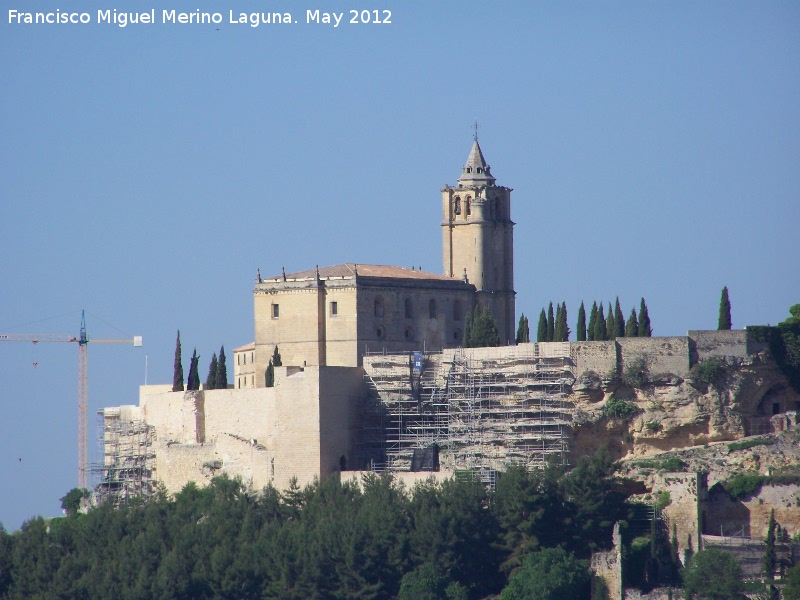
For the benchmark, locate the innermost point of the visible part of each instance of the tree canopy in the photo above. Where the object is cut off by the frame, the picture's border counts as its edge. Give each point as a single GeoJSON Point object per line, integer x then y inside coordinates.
{"type": "Point", "coordinates": [724, 310]}
{"type": "Point", "coordinates": [177, 370]}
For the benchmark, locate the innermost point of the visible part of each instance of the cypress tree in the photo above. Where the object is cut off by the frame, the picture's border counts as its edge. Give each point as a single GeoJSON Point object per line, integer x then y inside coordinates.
{"type": "Point", "coordinates": [269, 376]}
{"type": "Point", "coordinates": [193, 382]}
{"type": "Point", "coordinates": [551, 323]}
{"type": "Point", "coordinates": [632, 326]}
{"type": "Point", "coordinates": [724, 310]}
{"type": "Point", "coordinates": [769, 553]}
{"type": "Point", "coordinates": [644, 321]}
{"type": "Point", "coordinates": [600, 325]}
{"type": "Point", "coordinates": [484, 329]}
{"type": "Point", "coordinates": [221, 382]}
{"type": "Point", "coordinates": [611, 327]}
{"type": "Point", "coordinates": [562, 326]}
{"type": "Point", "coordinates": [592, 323]}
{"type": "Point", "coordinates": [541, 332]}
{"type": "Point", "coordinates": [523, 331]}
{"type": "Point", "coordinates": [467, 342]}
{"type": "Point", "coordinates": [177, 370]}
{"type": "Point", "coordinates": [211, 380]}
{"type": "Point", "coordinates": [276, 358]}
{"type": "Point", "coordinates": [581, 327]}
{"type": "Point", "coordinates": [558, 332]}
{"type": "Point", "coordinates": [619, 321]}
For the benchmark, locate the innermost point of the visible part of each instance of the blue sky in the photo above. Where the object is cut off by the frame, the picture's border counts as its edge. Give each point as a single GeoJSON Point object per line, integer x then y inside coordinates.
{"type": "Point", "coordinates": [146, 172]}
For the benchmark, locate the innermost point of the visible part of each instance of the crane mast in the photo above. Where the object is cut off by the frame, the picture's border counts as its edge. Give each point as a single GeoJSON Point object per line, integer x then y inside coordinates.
{"type": "Point", "coordinates": [83, 381]}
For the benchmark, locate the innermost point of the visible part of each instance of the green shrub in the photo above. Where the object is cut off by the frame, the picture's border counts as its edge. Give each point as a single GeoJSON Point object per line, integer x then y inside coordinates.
{"type": "Point", "coordinates": [709, 371]}
{"type": "Point", "coordinates": [620, 409]}
{"type": "Point", "coordinates": [636, 373]}
{"type": "Point", "coordinates": [741, 486]}
{"type": "Point", "coordinates": [673, 465]}
{"type": "Point", "coordinates": [745, 444]}
{"type": "Point", "coordinates": [653, 426]}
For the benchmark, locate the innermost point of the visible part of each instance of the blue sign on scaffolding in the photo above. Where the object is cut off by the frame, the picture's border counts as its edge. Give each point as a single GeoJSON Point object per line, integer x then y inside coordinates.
{"type": "Point", "coordinates": [417, 362]}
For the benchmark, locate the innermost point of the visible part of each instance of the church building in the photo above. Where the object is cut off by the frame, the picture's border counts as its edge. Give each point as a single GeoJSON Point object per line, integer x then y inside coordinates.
{"type": "Point", "coordinates": [334, 315]}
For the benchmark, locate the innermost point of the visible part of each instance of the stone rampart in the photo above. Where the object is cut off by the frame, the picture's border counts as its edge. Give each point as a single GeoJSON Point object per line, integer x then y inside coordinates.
{"type": "Point", "coordinates": [712, 343]}
{"type": "Point", "coordinates": [600, 357]}
{"type": "Point", "coordinates": [661, 354]}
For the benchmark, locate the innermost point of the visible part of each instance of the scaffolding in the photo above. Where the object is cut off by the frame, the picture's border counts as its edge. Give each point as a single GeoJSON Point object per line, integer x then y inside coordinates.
{"type": "Point", "coordinates": [127, 470]}
{"type": "Point", "coordinates": [485, 408]}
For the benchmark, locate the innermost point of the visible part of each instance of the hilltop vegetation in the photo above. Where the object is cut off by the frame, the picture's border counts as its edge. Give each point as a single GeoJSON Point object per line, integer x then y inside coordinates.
{"type": "Point", "coordinates": [330, 540]}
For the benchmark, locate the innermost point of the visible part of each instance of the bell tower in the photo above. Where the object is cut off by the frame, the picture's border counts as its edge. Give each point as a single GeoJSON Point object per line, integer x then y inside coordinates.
{"type": "Point", "coordinates": [478, 238]}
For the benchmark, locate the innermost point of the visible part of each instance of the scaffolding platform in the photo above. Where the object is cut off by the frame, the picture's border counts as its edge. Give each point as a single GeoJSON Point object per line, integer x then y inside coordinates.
{"type": "Point", "coordinates": [485, 408]}
{"type": "Point", "coordinates": [128, 467]}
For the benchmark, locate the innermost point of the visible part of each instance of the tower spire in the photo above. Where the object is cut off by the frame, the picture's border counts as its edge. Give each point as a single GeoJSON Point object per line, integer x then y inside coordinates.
{"type": "Point", "coordinates": [475, 135]}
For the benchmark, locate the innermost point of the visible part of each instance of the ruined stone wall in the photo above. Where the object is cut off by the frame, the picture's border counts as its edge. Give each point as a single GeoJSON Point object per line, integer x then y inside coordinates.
{"type": "Point", "coordinates": [661, 354]}
{"type": "Point", "coordinates": [340, 389]}
{"type": "Point", "coordinates": [607, 568]}
{"type": "Point", "coordinates": [600, 357]}
{"type": "Point", "coordinates": [707, 344]}
{"type": "Point", "coordinates": [686, 492]}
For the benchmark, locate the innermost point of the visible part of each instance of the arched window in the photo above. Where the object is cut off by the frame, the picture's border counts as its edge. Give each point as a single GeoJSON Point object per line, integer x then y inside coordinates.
{"type": "Point", "coordinates": [457, 207]}
{"type": "Point", "coordinates": [379, 306]}
{"type": "Point", "coordinates": [432, 308]}
{"type": "Point", "coordinates": [469, 205]}
{"type": "Point", "coordinates": [409, 309]}
{"type": "Point", "coordinates": [498, 208]}
{"type": "Point", "coordinates": [457, 313]}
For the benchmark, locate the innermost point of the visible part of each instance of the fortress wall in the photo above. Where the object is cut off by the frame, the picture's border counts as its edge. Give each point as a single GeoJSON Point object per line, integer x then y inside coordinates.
{"type": "Point", "coordinates": [295, 438]}
{"type": "Point", "coordinates": [178, 464]}
{"type": "Point", "coordinates": [242, 413]}
{"type": "Point", "coordinates": [706, 344]}
{"type": "Point", "coordinates": [174, 414]}
{"type": "Point", "coordinates": [340, 389]}
{"type": "Point", "coordinates": [785, 499]}
{"type": "Point", "coordinates": [600, 357]}
{"type": "Point", "coordinates": [663, 354]}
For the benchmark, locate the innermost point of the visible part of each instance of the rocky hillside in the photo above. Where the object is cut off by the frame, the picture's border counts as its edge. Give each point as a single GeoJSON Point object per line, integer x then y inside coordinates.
{"type": "Point", "coordinates": [638, 414]}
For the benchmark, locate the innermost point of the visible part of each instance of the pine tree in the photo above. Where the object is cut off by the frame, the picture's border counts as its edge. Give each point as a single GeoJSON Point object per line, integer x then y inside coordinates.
{"type": "Point", "coordinates": [211, 380]}
{"type": "Point", "coordinates": [484, 329]}
{"type": "Point", "coordinates": [177, 371]}
{"type": "Point", "coordinates": [619, 321]}
{"type": "Point", "coordinates": [644, 321]}
{"type": "Point", "coordinates": [611, 327]}
{"type": "Point", "coordinates": [592, 323]}
{"type": "Point", "coordinates": [551, 323]}
{"type": "Point", "coordinates": [193, 382]}
{"type": "Point", "coordinates": [600, 325]}
{"type": "Point", "coordinates": [581, 327]}
{"type": "Point", "coordinates": [724, 310]}
{"type": "Point", "coordinates": [523, 331]}
{"type": "Point", "coordinates": [632, 326]}
{"type": "Point", "coordinates": [541, 332]}
{"type": "Point", "coordinates": [221, 382]}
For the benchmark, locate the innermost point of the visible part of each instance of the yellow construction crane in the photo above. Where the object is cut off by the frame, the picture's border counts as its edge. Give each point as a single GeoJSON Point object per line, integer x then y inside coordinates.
{"type": "Point", "coordinates": [83, 381]}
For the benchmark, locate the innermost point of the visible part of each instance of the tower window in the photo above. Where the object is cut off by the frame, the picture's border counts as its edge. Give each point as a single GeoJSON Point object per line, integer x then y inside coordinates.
{"type": "Point", "coordinates": [432, 308]}
{"type": "Point", "coordinates": [469, 205]}
{"type": "Point", "coordinates": [457, 314]}
{"type": "Point", "coordinates": [379, 306]}
{"type": "Point", "coordinates": [409, 333]}
{"type": "Point", "coordinates": [457, 208]}
{"type": "Point", "coordinates": [334, 308]}
{"type": "Point", "coordinates": [409, 306]}
{"type": "Point", "coordinates": [276, 311]}
{"type": "Point", "coordinates": [480, 170]}
{"type": "Point", "coordinates": [380, 332]}
{"type": "Point", "coordinates": [469, 170]}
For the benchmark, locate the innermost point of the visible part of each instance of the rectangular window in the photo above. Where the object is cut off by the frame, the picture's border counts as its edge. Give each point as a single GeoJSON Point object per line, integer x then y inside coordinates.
{"type": "Point", "coordinates": [276, 311]}
{"type": "Point", "coordinates": [334, 308]}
